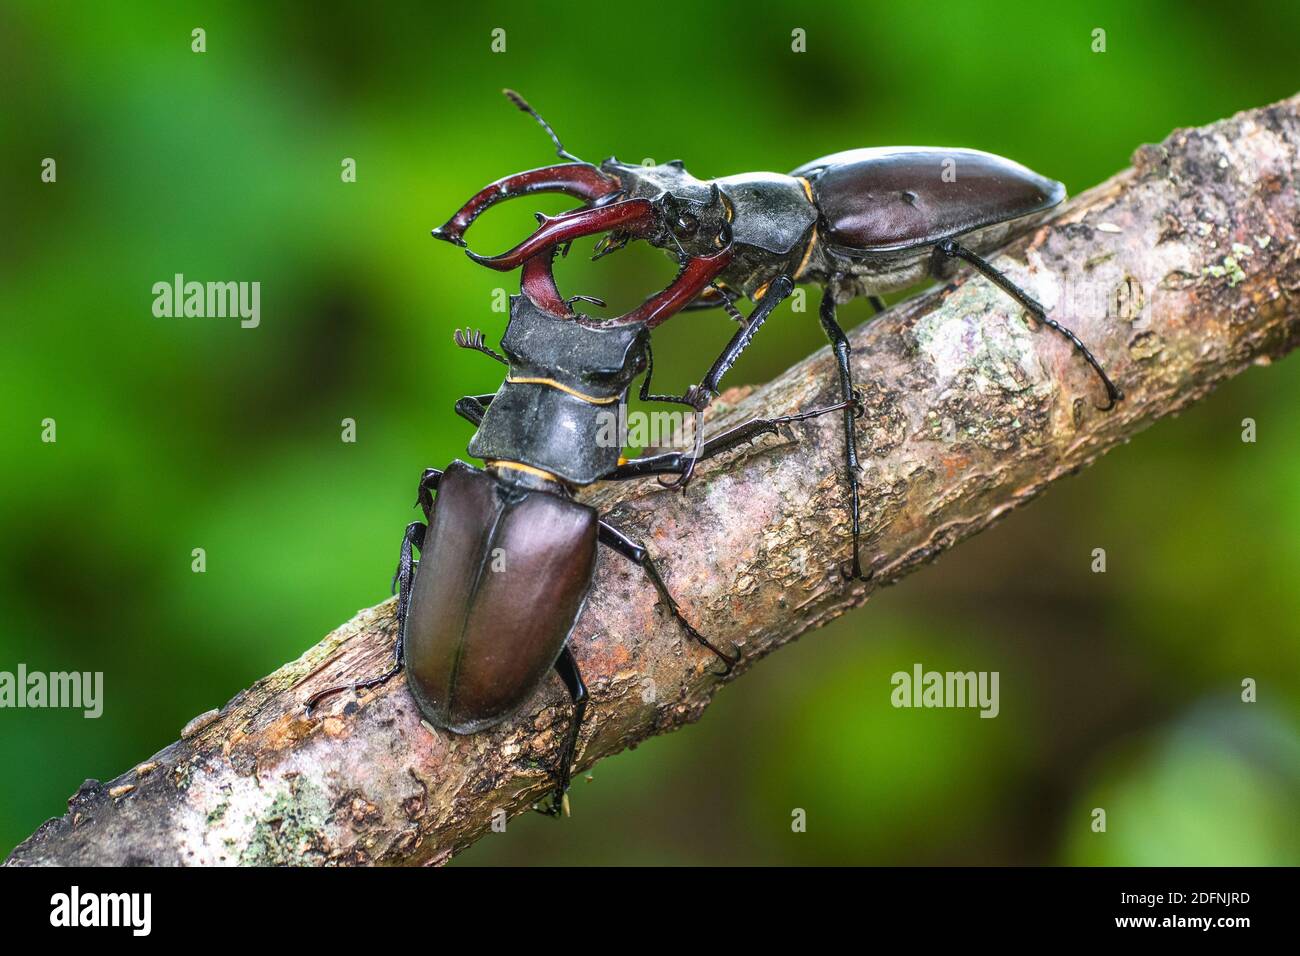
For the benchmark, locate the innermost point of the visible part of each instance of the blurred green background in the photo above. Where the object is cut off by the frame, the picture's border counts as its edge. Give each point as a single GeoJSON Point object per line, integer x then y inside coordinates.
{"type": "Point", "coordinates": [1119, 690]}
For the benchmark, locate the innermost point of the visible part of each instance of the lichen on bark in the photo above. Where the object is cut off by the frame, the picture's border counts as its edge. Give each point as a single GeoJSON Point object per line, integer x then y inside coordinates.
{"type": "Point", "coordinates": [1178, 272]}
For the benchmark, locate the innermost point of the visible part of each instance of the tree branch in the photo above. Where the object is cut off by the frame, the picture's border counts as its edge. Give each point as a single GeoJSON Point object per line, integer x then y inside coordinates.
{"type": "Point", "coordinates": [1178, 272]}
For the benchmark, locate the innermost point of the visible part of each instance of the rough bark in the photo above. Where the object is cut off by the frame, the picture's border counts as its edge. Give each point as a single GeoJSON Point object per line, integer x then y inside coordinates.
{"type": "Point", "coordinates": [1178, 272]}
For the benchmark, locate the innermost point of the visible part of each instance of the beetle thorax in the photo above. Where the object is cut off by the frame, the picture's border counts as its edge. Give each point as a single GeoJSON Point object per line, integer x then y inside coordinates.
{"type": "Point", "coordinates": [566, 383]}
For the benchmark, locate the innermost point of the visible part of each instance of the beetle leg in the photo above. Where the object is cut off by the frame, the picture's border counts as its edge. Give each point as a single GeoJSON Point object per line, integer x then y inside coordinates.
{"type": "Point", "coordinates": [699, 396]}
{"type": "Point", "coordinates": [424, 495]}
{"type": "Point", "coordinates": [713, 297]}
{"type": "Point", "coordinates": [412, 540]}
{"type": "Point", "coordinates": [953, 250]}
{"type": "Point", "coordinates": [736, 315]}
{"type": "Point", "coordinates": [777, 292]}
{"type": "Point", "coordinates": [567, 668]}
{"type": "Point", "coordinates": [840, 346]}
{"type": "Point", "coordinates": [473, 407]}
{"type": "Point", "coordinates": [611, 537]}
{"type": "Point", "coordinates": [402, 577]}
{"type": "Point", "coordinates": [648, 396]}
{"type": "Point", "coordinates": [674, 462]}
{"type": "Point", "coordinates": [877, 303]}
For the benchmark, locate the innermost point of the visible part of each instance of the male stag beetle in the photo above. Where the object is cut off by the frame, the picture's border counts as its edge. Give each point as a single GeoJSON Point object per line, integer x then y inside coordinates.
{"type": "Point", "coordinates": [476, 636]}
{"type": "Point", "coordinates": [857, 223]}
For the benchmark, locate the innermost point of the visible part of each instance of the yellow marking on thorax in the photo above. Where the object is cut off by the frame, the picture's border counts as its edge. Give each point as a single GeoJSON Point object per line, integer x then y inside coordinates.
{"type": "Point", "coordinates": [520, 466]}
{"type": "Point", "coordinates": [807, 254]}
{"type": "Point", "coordinates": [589, 399]}
{"type": "Point", "coordinates": [807, 189]}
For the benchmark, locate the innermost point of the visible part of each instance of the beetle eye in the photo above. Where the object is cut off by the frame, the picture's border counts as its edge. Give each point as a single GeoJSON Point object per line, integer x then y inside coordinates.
{"type": "Point", "coordinates": [686, 225]}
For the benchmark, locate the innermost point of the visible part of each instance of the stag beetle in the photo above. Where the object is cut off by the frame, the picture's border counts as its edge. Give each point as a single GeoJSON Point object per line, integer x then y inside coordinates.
{"type": "Point", "coordinates": [857, 223]}
{"type": "Point", "coordinates": [506, 553]}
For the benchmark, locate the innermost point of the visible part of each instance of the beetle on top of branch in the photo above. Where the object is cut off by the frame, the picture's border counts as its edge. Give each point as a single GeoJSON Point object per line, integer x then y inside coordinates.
{"type": "Point", "coordinates": [857, 223]}
{"type": "Point", "coordinates": [506, 553]}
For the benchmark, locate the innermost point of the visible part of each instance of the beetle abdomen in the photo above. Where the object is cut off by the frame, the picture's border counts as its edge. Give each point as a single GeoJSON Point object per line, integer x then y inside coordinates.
{"type": "Point", "coordinates": [897, 198]}
{"type": "Point", "coordinates": [502, 577]}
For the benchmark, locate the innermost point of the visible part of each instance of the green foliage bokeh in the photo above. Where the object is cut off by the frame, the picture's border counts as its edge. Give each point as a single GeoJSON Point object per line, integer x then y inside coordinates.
{"type": "Point", "coordinates": [1120, 690]}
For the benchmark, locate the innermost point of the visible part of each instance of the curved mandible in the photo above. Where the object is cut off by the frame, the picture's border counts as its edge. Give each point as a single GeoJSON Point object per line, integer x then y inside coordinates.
{"type": "Point", "coordinates": [632, 216]}
{"type": "Point", "coordinates": [580, 180]}
{"type": "Point", "coordinates": [537, 282]}
{"type": "Point", "coordinates": [629, 217]}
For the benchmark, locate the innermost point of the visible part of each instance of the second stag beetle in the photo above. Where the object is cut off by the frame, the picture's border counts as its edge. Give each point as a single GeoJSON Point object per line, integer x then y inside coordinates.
{"type": "Point", "coordinates": [506, 554]}
{"type": "Point", "coordinates": [856, 223]}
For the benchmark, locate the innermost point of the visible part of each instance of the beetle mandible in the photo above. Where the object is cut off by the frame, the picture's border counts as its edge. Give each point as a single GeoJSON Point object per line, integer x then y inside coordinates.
{"type": "Point", "coordinates": [474, 639]}
{"type": "Point", "coordinates": [857, 223]}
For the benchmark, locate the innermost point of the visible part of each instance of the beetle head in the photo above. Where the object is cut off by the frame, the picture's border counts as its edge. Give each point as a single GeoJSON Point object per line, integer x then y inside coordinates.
{"type": "Point", "coordinates": [690, 217]}
{"type": "Point", "coordinates": [661, 204]}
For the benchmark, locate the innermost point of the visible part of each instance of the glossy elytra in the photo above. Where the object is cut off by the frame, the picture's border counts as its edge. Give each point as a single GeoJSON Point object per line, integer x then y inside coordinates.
{"type": "Point", "coordinates": [506, 553]}
{"type": "Point", "coordinates": [857, 223]}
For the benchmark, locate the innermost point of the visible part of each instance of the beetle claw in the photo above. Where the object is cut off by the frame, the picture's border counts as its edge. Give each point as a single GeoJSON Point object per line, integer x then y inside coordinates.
{"type": "Point", "coordinates": [729, 661]}
{"type": "Point", "coordinates": [559, 797]}
{"type": "Point", "coordinates": [1114, 394]}
{"type": "Point", "coordinates": [698, 398]}
{"type": "Point", "coordinates": [559, 806]}
{"type": "Point", "coordinates": [681, 481]}
{"type": "Point", "coordinates": [854, 571]}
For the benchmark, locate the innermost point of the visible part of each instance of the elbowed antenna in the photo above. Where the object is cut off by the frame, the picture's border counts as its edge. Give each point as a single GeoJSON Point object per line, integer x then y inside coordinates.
{"type": "Point", "coordinates": [522, 103]}
{"type": "Point", "coordinates": [573, 178]}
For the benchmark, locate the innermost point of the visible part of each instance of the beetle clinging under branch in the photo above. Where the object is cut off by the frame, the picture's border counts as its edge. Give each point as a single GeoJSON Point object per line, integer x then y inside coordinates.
{"type": "Point", "coordinates": [506, 554]}
{"type": "Point", "coordinates": [857, 223]}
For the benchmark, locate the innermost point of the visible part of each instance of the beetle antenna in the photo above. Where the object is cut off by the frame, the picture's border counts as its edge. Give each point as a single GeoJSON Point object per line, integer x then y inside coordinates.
{"type": "Point", "coordinates": [473, 339]}
{"type": "Point", "coordinates": [522, 103]}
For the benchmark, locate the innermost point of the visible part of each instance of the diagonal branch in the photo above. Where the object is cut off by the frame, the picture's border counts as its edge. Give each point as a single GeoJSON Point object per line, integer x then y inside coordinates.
{"type": "Point", "coordinates": [1178, 272]}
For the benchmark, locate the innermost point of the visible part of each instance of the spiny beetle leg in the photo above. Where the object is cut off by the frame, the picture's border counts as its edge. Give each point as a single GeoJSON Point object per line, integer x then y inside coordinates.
{"type": "Point", "coordinates": [674, 462]}
{"type": "Point", "coordinates": [428, 485]}
{"type": "Point", "coordinates": [472, 408]}
{"type": "Point", "coordinates": [699, 396]}
{"type": "Point", "coordinates": [412, 540]}
{"type": "Point", "coordinates": [713, 297]}
{"type": "Point", "coordinates": [953, 250]}
{"type": "Point", "coordinates": [688, 468]}
{"type": "Point", "coordinates": [649, 396]}
{"type": "Point", "coordinates": [840, 346]}
{"type": "Point", "coordinates": [613, 538]}
{"type": "Point", "coordinates": [567, 668]}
